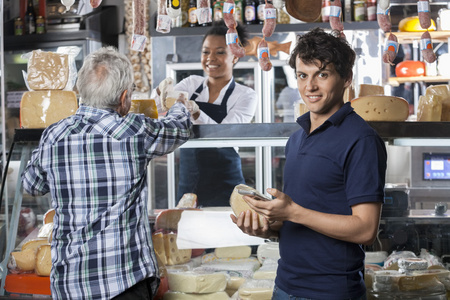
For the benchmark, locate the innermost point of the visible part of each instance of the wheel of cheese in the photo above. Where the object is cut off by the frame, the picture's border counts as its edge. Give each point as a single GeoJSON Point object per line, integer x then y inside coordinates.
{"type": "Point", "coordinates": [381, 108]}
{"type": "Point", "coordinates": [175, 256]}
{"type": "Point", "coordinates": [238, 204]}
{"type": "Point", "coordinates": [39, 109]}
{"type": "Point", "coordinates": [168, 219]}
{"type": "Point", "coordinates": [43, 260]}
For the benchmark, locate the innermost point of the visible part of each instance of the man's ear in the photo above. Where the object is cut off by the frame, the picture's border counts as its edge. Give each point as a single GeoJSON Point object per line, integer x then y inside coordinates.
{"type": "Point", "coordinates": [122, 105]}
{"type": "Point", "coordinates": [348, 80]}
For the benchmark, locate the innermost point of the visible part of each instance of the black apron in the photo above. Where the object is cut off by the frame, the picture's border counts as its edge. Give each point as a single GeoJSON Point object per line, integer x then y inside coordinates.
{"type": "Point", "coordinates": [211, 173]}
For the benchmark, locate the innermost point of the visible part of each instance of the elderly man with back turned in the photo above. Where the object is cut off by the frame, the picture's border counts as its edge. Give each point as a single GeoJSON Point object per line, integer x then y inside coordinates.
{"type": "Point", "coordinates": [94, 165]}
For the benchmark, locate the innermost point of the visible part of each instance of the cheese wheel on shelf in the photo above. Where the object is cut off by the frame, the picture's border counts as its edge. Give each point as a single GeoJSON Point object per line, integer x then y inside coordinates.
{"type": "Point", "coordinates": [381, 108]}
{"type": "Point", "coordinates": [40, 109]}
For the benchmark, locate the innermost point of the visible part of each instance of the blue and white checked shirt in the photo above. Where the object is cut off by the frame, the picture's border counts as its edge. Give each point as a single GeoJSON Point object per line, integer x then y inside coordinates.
{"type": "Point", "coordinates": [94, 165]}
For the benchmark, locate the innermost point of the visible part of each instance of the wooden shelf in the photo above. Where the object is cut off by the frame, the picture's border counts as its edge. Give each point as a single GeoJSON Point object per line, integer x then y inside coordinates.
{"type": "Point", "coordinates": [410, 37]}
{"type": "Point", "coordinates": [396, 81]}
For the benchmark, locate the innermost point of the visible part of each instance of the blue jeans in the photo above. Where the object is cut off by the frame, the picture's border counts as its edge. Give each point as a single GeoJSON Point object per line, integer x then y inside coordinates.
{"type": "Point", "coordinates": [279, 294]}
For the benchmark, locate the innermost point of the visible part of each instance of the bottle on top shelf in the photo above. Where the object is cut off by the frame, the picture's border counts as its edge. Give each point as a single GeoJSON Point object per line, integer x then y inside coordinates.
{"type": "Point", "coordinates": [30, 18]}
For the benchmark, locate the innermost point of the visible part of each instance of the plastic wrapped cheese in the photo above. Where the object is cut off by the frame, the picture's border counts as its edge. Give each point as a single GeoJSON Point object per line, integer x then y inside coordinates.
{"type": "Point", "coordinates": [43, 260]}
{"type": "Point", "coordinates": [406, 264]}
{"type": "Point", "coordinates": [22, 261]}
{"type": "Point", "coordinates": [47, 70]}
{"type": "Point", "coordinates": [429, 108]}
{"type": "Point", "coordinates": [170, 295]}
{"type": "Point", "coordinates": [197, 281]}
{"type": "Point", "coordinates": [267, 271]}
{"type": "Point", "coordinates": [443, 91]}
{"type": "Point", "coordinates": [381, 108]}
{"type": "Point", "coordinates": [233, 252]}
{"type": "Point", "coordinates": [256, 290]}
{"type": "Point", "coordinates": [39, 109]}
{"type": "Point", "coordinates": [144, 106]}
{"type": "Point", "coordinates": [268, 250]}
{"type": "Point", "coordinates": [236, 268]}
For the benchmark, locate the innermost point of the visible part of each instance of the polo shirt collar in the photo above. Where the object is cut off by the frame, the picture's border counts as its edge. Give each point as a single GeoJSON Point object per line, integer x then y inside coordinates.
{"type": "Point", "coordinates": [305, 120]}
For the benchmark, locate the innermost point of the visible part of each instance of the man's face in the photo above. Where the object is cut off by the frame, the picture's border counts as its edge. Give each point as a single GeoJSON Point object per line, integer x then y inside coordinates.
{"type": "Point", "coordinates": [322, 90]}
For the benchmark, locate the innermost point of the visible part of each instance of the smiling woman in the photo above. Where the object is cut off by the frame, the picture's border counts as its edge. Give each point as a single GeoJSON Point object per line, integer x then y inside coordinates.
{"type": "Point", "coordinates": [212, 173]}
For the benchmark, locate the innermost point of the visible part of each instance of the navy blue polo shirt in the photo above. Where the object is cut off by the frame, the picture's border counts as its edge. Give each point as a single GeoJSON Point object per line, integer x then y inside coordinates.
{"type": "Point", "coordinates": [338, 165]}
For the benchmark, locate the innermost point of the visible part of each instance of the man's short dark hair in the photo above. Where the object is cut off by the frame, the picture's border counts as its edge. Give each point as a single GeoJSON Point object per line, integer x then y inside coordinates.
{"type": "Point", "coordinates": [328, 48]}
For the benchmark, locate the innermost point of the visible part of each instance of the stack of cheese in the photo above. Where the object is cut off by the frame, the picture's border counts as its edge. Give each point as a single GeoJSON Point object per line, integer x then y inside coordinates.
{"type": "Point", "coordinates": [47, 102]}
{"type": "Point", "coordinates": [35, 255]}
{"type": "Point", "coordinates": [435, 104]}
{"type": "Point", "coordinates": [406, 275]}
{"type": "Point", "coordinates": [373, 105]}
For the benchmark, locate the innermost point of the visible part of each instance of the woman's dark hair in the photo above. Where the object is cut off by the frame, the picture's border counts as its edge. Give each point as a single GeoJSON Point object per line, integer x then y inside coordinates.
{"type": "Point", "coordinates": [219, 28]}
{"type": "Point", "coordinates": [328, 48]}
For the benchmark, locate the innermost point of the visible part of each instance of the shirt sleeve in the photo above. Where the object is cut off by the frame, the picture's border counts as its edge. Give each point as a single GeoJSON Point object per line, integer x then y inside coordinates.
{"type": "Point", "coordinates": [34, 178]}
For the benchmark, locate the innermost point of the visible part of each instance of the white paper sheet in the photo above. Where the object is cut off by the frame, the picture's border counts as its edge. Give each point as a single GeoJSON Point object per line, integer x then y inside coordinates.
{"type": "Point", "coordinates": [211, 229]}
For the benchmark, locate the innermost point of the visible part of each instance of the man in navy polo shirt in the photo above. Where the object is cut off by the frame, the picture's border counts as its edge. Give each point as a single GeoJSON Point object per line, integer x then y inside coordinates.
{"type": "Point", "coordinates": [333, 182]}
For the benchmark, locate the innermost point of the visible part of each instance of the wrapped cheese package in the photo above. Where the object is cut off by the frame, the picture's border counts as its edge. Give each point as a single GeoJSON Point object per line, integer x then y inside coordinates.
{"type": "Point", "coordinates": [429, 108]}
{"type": "Point", "coordinates": [51, 70]}
{"type": "Point", "coordinates": [39, 109]}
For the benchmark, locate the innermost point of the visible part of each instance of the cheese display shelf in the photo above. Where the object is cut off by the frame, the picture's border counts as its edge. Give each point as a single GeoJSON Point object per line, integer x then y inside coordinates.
{"type": "Point", "coordinates": [396, 81]}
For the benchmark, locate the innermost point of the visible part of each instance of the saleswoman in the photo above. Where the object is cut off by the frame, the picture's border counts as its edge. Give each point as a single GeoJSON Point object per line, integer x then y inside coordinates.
{"type": "Point", "coordinates": [212, 173]}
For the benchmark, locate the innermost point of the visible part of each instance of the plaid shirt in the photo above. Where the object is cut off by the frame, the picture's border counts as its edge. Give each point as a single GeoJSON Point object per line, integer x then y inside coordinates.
{"type": "Point", "coordinates": [94, 164]}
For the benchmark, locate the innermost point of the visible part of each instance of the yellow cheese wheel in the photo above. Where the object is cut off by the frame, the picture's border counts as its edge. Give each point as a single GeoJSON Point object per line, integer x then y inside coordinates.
{"type": "Point", "coordinates": [238, 204]}
{"type": "Point", "coordinates": [175, 256]}
{"type": "Point", "coordinates": [39, 109]}
{"type": "Point", "coordinates": [412, 24]}
{"type": "Point", "coordinates": [381, 108]}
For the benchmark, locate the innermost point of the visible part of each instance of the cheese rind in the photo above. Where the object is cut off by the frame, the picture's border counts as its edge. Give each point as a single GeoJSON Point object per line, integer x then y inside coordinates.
{"type": "Point", "coordinates": [233, 252]}
{"type": "Point", "coordinates": [43, 260]}
{"type": "Point", "coordinates": [39, 109]}
{"type": "Point", "coordinates": [47, 70]}
{"type": "Point", "coordinates": [197, 282]}
{"type": "Point", "coordinates": [381, 108]}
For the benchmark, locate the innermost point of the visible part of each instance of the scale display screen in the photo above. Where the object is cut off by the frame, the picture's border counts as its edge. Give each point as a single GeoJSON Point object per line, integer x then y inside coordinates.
{"type": "Point", "coordinates": [436, 166]}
